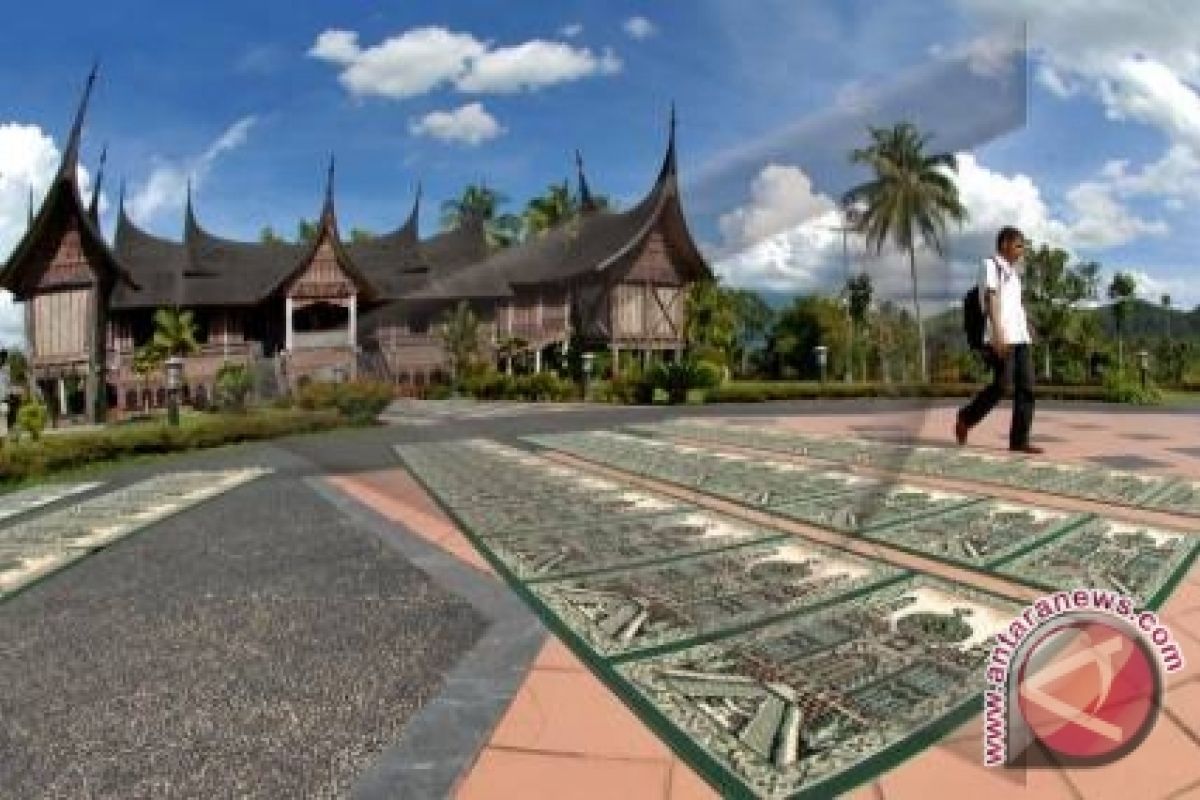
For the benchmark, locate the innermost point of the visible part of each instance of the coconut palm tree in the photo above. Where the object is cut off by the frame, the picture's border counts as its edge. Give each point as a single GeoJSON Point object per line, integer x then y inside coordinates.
{"type": "Point", "coordinates": [912, 193]}
{"type": "Point", "coordinates": [174, 332]}
{"type": "Point", "coordinates": [1166, 304]}
{"type": "Point", "coordinates": [859, 291]}
{"type": "Point", "coordinates": [481, 202]}
{"type": "Point", "coordinates": [508, 347]}
{"type": "Point", "coordinates": [1121, 291]}
{"type": "Point", "coordinates": [460, 335]}
{"type": "Point", "coordinates": [551, 209]}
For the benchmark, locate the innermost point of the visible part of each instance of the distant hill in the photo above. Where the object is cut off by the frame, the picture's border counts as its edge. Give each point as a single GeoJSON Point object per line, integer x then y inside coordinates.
{"type": "Point", "coordinates": [1144, 319]}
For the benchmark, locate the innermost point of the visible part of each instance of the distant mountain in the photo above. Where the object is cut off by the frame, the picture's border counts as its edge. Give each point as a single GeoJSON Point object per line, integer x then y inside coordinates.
{"type": "Point", "coordinates": [1143, 320]}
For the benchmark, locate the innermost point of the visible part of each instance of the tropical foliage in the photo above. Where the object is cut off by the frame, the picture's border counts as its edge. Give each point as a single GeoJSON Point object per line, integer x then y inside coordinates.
{"type": "Point", "coordinates": [174, 332]}
{"type": "Point", "coordinates": [460, 335]}
{"type": "Point", "coordinates": [1121, 292]}
{"type": "Point", "coordinates": [481, 202]}
{"type": "Point", "coordinates": [912, 195]}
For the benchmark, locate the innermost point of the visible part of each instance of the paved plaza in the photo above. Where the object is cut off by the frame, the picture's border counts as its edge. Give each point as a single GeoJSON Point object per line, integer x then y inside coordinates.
{"type": "Point", "coordinates": [502, 601]}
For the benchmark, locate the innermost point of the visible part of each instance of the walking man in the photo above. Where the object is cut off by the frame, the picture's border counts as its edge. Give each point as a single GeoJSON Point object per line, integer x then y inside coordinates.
{"type": "Point", "coordinates": [1008, 342]}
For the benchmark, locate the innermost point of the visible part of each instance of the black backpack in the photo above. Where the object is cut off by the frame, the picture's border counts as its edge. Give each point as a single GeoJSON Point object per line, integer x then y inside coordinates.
{"type": "Point", "coordinates": [973, 319]}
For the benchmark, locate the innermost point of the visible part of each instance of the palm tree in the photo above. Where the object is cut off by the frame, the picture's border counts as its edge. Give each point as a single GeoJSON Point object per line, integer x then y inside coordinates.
{"type": "Point", "coordinates": [1166, 304]}
{"type": "Point", "coordinates": [480, 202]}
{"type": "Point", "coordinates": [859, 291]}
{"type": "Point", "coordinates": [551, 209]}
{"type": "Point", "coordinates": [754, 320]}
{"type": "Point", "coordinates": [710, 321]}
{"type": "Point", "coordinates": [147, 360]}
{"type": "Point", "coordinates": [174, 332]}
{"type": "Point", "coordinates": [911, 193]}
{"type": "Point", "coordinates": [1121, 291]}
{"type": "Point", "coordinates": [460, 335]}
{"type": "Point", "coordinates": [508, 347]}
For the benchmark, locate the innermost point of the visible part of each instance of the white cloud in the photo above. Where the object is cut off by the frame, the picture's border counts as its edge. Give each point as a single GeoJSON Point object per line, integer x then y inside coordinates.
{"type": "Point", "coordinates": [991, 56]}
{"type": "Point", "coordinates": [28, 160]}
{"type": "Point", "coordinates": [1102, 221]}
{"type": "Point", "coordinates": [571, 30]}
{"type": "Point", "coordinates": [421, 60]}
{"type": "Point", "coordinates": [781, 197]}
{"type": "Point", "coordinates": [471, 124]}
{"type": "Point", "coordinates": [1057, 83]}
{"type": "Point", "coordinates": [166, 187]}
{"type": "Point", "coordinates": [785, 237]}
{"type": "Point", "coordinates": [340, 47]}
{"type": "Point", "coordinates": [639, 27]}
{"type": "Point", "coordinates": [533, 65]}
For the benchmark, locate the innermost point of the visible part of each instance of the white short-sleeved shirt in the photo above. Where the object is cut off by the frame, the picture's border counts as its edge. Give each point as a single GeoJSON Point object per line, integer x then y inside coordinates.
{"type": "Point", "coordinates": [1001, 277]}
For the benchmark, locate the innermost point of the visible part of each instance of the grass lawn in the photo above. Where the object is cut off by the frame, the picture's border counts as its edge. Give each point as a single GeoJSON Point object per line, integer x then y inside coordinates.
{"type": "Point", "coordinates": [83, 453]}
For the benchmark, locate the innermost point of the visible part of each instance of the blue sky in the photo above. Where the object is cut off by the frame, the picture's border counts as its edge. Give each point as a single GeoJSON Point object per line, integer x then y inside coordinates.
{"type": "Point", "coordinates": [1091, 141]}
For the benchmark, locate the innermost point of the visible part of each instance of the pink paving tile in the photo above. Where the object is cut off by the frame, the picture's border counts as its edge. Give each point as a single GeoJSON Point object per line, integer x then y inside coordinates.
{"type": "Point", "coordinates": [687, 785]}
{"type": "Point", "coordinates": [1183, 703]}
{"type": "Point", "coordinates": [573, 713]}
{"type": "Point", "coordinates": [393, 494]}
{"type": "Point", "coordinates": [555, 655]}
{"type": "Point", "coordinates": [1166, 762]}
{"type": "Point", "coordinates": [511, 775]}
{"type": "Point", "coordinates": [954, 769]}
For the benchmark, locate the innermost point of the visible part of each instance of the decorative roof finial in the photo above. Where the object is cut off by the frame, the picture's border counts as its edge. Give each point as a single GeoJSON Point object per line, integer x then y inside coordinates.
{"type": "Point", "coordinates": [587, 203]}
{"type": "Point", "coordinates": [71, 155]}
{"type": "Point", "coordinates": [94, 207]}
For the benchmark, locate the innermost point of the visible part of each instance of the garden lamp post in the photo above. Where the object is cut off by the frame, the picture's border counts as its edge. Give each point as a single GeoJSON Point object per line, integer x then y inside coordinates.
{"type": "Point", "coordinates": [822, 359]}
{"type": "Point", "coordinates": [174, 381]}
{"type": "Point", "coordinates": [1143, 365]}
{"type": "Point", "coordinates": [587, 372]}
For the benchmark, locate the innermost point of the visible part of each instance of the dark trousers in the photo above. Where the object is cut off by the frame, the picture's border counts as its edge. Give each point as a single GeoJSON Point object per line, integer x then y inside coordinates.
{"type": "Point", "coordinates": [1016, 370]}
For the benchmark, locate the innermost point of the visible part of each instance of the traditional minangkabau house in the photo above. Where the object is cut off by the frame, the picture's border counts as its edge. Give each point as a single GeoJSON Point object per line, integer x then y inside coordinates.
{"type": "Point", "coordinates": [334, 309]}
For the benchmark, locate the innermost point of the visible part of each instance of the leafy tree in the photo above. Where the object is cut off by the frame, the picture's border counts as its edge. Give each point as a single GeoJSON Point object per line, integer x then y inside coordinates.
{"type": "Point", "coordinates": [478, 201]}
{"type": "Point", "coordinates": [556, 206]}
{"type": "Point", "coordinates": [912, 194]}
{"type": "Point", "coordinates": [460, 335]}
{"type": "Point", "coordinates": [508, 347]}
{"type": "Point", "coordinates": [174, 332]}
{"type": "Point", "coordinates": [1166, 304]}
{"type": "Point", "coordinates": [1053, 292]}
{"type": "Point", "coordinates": [754, 319]}
{"type": "Point", "coordinates": [808, 322]}
{"type": "Point", "coordinates": [147, 360]}
{"type": "Point", "coordinates": [858, 293]}
{"type": "Point", "coordinates": [306, 231]}
{"type": "Point", "coordinates": [710, 321]}
{"type": "Point", "coordinates": [1121, 291]}
{"type": "Point", "coordinates": [268, 236]}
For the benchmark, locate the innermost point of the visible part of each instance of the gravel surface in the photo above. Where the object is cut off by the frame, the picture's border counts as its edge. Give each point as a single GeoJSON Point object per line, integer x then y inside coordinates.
{"type": "Point", "coordinates": [259, 645]}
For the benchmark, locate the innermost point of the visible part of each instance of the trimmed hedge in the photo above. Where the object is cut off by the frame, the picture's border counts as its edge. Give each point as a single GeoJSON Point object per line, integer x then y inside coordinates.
{"type": "Point", "coordinates": [359, 401]}
{"type": "Point", "coordinates": [763, 391]}
{"type": "Point", "coordinates": [20, 460]}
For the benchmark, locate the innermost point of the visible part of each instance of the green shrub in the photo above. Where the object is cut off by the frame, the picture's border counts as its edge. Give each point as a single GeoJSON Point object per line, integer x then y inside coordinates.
{"type": "Point", "coordinates": [73, 450]}
{"type": "Point", "coordinates": [438, 391]}
{"type": "Point", "coordinates": [233, 386]}
{"type": "Point", "coordinates": [361, 402]}
{"type": "Point", "coordinates": [1119, 389]}
{"type": "Point", "coordinates": [32, 418]}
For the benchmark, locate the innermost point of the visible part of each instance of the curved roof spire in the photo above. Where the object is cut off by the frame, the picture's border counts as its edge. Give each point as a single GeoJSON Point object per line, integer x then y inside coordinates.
{"type": "Point", "coordinates": [670, 167]}
{"type": "Point", "coordinates": [327, 211]}
{"type": "Point", "coordinates": [94, 206]}
{"type": "Point", "coordinates": [71, 153]}
{"type": "Point", "coordinates": [411, 224]}
{"type": "Point", "coordinates": [30, 204]}
{"type": "Point", "coordinates": [190, 225]}
{"type": "Point", "coordinates": [587, 203]}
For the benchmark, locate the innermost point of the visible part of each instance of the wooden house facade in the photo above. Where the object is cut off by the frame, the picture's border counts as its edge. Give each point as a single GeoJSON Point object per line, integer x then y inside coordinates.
{"type": "Point", "coordinates": [334, 309]}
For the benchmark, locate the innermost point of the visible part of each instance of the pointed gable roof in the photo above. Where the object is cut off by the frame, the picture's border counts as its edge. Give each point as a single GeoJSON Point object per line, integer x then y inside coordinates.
{"type": "Point", "coordinates": [393, 261]}
{"type": "Point", "coordinates": [61, 209]}
{"type": "Point", "coordinates": [591, 243]}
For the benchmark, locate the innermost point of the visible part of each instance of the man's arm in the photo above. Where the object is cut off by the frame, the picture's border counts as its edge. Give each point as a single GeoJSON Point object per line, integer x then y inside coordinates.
{"type": "Point", "coordinates": [998, 343]}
